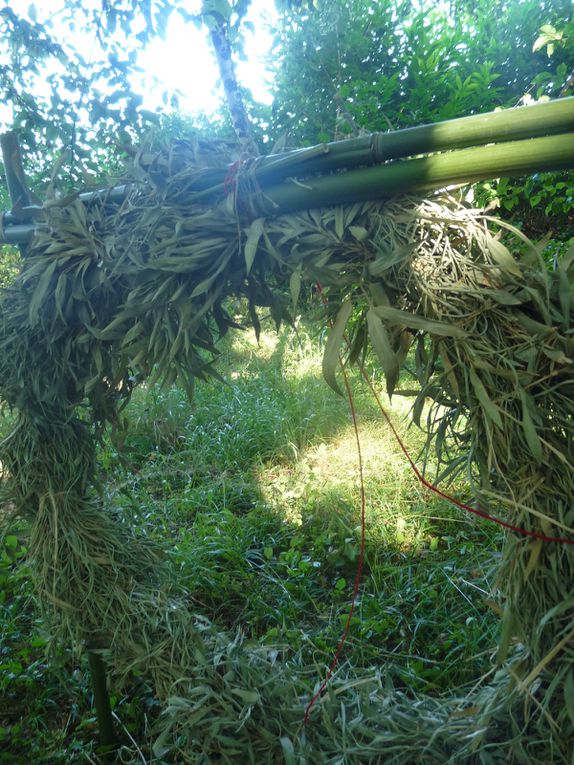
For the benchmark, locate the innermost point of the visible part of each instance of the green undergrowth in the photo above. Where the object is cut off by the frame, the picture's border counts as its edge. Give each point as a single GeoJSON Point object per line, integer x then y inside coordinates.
{"type": "Point", "coordinates": [253, 491]}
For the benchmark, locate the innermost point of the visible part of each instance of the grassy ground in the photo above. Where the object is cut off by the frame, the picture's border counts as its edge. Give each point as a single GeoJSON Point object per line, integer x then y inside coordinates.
{"type": "Point", "coordinates": [253, 490]}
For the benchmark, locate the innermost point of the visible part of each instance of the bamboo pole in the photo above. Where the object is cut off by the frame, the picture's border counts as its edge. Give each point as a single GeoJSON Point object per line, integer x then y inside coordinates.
{"type": "Point", "coordinates": [107, 733]}
{"type": "Point", "coordinates": [552, 151]}
{"type": "Point", "coordinates": [437, 171]}
{"type": "Point", "coordinates": [548, 118]}
{"type": "Point", "coordinates": [517, 158]}
{"type": "Point", "coordinates": [512, 159]}
{"type": "Point", "coordinates": [537, 120]}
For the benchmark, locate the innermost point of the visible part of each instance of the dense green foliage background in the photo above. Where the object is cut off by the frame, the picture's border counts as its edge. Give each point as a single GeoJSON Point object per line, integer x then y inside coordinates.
{"type": "Point", "coordinates": [388, 65]}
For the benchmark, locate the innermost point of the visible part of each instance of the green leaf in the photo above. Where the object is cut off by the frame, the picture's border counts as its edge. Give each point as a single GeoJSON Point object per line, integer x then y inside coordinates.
{"type": "Point", "coordinates": [295, 286]}
{"type": "Point", "coordinates": [249, 697]}
{"type": "Point", "coordinates": [361, 234]}
{"type": "Point", "coordinates": [387, 258]}
{"type": "Point", "coordinates": [501, 255]}
{"type": "Point", "coordinates": [162, 744]}
{"type": "Point", "coordinates": [339, 222]}
{"type": "Point", "coordinates": [506, 635]}
{"type": "Point", "coordinates": [382, 345]}
{"type": "Point", "coordinates": [40, 293]}
{"type": "Point", "coordinates": [134, 332]}
{"type": "Point", "coordinates": [413, 320]}
{"type": "Point", "coordinates": [564, 293]}
{"type": "Point", "coordinates": [502, 297]}
{"type": "Point", "coordinates": [253, 236]}
{"type": "Point", "coordinates": [333, 344]}
{"type": "Point", "coordinates": [569, 694]}
{"type": "Point", "coordinates": [490, 409]}
{"type": "Point", "coordinates": [532, 326]}
{"type": "Point", "coordinates": [288, 750]}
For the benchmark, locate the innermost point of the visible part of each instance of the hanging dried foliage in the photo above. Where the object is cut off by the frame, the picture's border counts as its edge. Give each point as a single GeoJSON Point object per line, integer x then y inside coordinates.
{"type": "Point", "coordinates": [110, 295]}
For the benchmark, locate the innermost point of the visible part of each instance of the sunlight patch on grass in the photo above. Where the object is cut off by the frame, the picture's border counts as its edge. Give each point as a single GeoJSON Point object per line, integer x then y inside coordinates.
{"type": "Point", "coordinates": [246, 343]}
{"type": "Point", "coordinates": [330, 470]}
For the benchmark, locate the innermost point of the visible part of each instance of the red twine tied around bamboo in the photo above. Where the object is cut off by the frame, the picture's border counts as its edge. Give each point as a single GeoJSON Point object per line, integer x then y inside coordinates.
{"type": "Point", "coordinates": [230, 182]}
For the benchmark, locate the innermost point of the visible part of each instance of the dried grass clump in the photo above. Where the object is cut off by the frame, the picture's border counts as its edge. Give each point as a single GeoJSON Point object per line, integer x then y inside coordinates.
{"type": "Point", "coordinates": [111, 295]}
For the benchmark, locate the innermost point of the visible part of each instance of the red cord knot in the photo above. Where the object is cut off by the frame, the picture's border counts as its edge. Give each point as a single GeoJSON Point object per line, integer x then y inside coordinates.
{"type": "Point", "coordinates": [230, 182]}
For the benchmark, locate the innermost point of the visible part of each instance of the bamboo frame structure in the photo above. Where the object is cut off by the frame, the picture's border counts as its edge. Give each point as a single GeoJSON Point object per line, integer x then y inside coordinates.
{"type": "Point", "coordinates": [512, 143]}
{"type": "Point", "coordinates": [116, 292]}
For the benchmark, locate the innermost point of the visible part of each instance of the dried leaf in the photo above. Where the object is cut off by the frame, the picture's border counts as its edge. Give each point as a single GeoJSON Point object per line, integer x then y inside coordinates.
{"type": "Point", "coordinates": [501, 255]}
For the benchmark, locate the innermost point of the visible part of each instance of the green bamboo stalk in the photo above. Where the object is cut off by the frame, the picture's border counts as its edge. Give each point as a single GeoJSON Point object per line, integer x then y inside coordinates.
{"type": "Point", "coordinates": [548, 118]}
{"type": "Point", "coordinates": [513, 159]}
{"type": "Point", "coordinates": [509, 159]}
{"type": "Point", "coordinates": [107, 733]}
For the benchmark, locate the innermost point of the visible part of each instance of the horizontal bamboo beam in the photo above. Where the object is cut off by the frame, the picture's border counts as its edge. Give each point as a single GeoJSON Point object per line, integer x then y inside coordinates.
{"type": "Point", "coordinates": [513, 159]}
{"type": "Point", "coordinates": [544, 129]}
{"type": "Point", "coordinates": [536, 120]}
{"type": "Point", "coordinates": [20, 233]}
{"type": "Point", "coordinates": [547, 118]}
{"type": "Point", "coordinates": [16, 226]}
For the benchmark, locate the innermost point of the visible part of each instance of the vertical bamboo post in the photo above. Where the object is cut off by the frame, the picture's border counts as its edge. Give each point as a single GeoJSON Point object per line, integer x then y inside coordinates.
{"type": "Point", "coordinates": [20, 194]}
{"type": "Point", "coordinates": [108, 739]}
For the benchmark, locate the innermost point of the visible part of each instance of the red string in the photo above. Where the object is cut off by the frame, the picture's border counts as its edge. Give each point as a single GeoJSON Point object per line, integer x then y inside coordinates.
{"type": "Point", "coordinates": [230, 182]}
{"type": "Point", "coordinates": [361, 553]}
{"type": "Point", "coordinates": [444, 495]}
